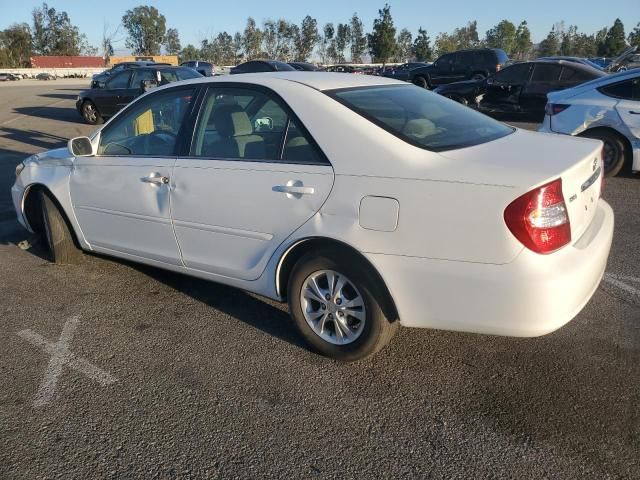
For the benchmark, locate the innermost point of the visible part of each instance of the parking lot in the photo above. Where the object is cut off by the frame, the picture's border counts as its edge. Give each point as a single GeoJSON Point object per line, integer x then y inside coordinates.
{"type": "Point", "coordinates": [115, 370]}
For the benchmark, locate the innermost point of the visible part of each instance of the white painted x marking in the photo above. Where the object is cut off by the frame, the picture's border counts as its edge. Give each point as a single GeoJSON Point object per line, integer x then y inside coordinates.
{"type": "Point", "coordinates": [61, 357]}
{"type": "Point", "coordinates": [621, 282]}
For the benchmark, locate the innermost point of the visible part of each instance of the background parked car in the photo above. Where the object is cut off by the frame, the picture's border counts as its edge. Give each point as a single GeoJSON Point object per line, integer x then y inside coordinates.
{"type": "Point", "coordinates": [607, 109]}
{"type": "Point", "coordinates": [582, 61]}
{"type": "Point", "coordinates": [45, 76]}
{"type": "Point", "coordinates": [304, 66]}
{"type": "Point", "coordinates": [520, 88]}
{"type": "Point", "coordinates": [629, 59]}
{"type": "Point", "coordinates": [256, 66]}
{"type": "Point", "coordinates": [104, 76]}
{"type": "Point", "coordinates": [601, 61]}
{"type": "Point", "coordinates": [476, 64]}
{"type": "Point", "coordinates": [98, 103]}
{"type": "Point", "coordinates": [402, 72]}
{"type": "Point", "coordinates": [205, 69]}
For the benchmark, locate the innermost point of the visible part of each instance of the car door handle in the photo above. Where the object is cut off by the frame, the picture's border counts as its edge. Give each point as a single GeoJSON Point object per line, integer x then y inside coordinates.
{"type": "Point", "coordinates": [633, 112]}
{"type": "Point", "coordinates": [156, 179]}
{"type": "Point", "coordinates": [294, 189]}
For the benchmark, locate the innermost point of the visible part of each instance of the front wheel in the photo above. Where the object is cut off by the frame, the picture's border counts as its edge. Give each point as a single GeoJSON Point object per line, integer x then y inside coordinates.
{"type": "Point", "coordinates": [62, 248]}
{"type": "Point", "coordinates": [333, 303]}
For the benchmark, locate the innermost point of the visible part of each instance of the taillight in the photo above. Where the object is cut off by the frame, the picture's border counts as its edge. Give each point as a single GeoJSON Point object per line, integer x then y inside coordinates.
{"type": "Point", "coordinates": [539, 219]}
{"type": "Point", "coordinates": [498, 68]}
{"type": "Point", "coordinates": [555, 108]}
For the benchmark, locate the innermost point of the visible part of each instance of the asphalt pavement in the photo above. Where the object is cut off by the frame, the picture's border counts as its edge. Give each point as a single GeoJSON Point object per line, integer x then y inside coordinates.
{"type": "Point", "coordinates": [110, 369]}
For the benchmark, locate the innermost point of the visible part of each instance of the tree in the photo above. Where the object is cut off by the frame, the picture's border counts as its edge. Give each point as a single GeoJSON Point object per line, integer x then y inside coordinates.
{"type": "Point", "coordinates": [422, 46]}
{"type": "Point", "coordinates": [147, 28]}
{"type": "Point", "coordinates": [343, 35]}
{"type": "Point", "coordinates": [445, 43]}
{"type": "Point", "coordinates": [358, 39]}
{"type": "Point", "coordinates": [550, 45]}
{"type": "Point", "coordinates": [54, 34]}
{"type": "Point", "coordinates": [278, 39]}
{"type": "Point", "coordinates": [503, 36]}
{"type": "Point", "coordinates": [634, 36]}
{"type": "Point", "coordinates": [523, 44]}
{"type": "Point", "coordinates": [328, 50]}
{"type": "Point", "coordinates": [382, 40]}
{"type": "Point", "coordinates": [172, 42]}
{"type": "Point", "coordinates": [189, 52]}
{"type": "Point", "coordinates": [237, 48]}
{"type": "Point", "coordinates": [252, 40]}
{"type": "Point", "coordinates": [108, 38]}
{"type": "Point", "coordinates": [467, 37]}
{"type": "Point", "coordinates": [614, 43]}
{"type": "Point", "coordinates": [15, 46]}
{"type": "Point", "coordinates": [305, 38]}
{"type": "Point", "coordinates": [405, 46]}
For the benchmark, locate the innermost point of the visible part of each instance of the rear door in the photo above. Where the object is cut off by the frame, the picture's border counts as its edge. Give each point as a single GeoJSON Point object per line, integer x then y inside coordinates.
{"type": "Point", "coordinates": [441, 71]}
{"type": "Point", "coordinates": [253, 175]}
{"type": "Point", "coordinates": [544, 79]}
{"type": "Point", "coordinates": [504, 89]}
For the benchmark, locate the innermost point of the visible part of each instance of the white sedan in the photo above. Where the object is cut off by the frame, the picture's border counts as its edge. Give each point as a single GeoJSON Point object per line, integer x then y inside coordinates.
{"type": "Point", "coordinates": [365, 202]}
{"type": "Point", "coordinates": [606, 109]}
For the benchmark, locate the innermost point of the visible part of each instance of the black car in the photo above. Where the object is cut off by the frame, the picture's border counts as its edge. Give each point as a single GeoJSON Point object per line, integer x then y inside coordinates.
{"type": "Point", "coordinates": [104, 76]}
{"type": "Point", "coordinates": [475, 64]}
{"type": "Point", "coordinates": [304, 66]}
{"type": "Point", "coordinates": [255, 66]}
{"type": "Point", "coordinates": [520, 88]}
{"type": "Point", "coordinates": [583, 61]}
{"type": "Point", "coordinates": [121, 88]}
{"type": "Point", "coordinates": [206, 69]}
{"type": "Point", "coordinates": [403, 72]}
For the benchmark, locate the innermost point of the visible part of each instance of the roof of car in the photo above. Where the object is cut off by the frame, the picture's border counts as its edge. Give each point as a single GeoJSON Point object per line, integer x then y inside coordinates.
{"type": "Point", "coordinates": [315, 80]}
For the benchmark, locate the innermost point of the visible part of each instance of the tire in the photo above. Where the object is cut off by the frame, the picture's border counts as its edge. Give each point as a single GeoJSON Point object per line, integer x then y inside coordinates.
{"type": "Point", "coordinates": [59, 239]}
{"type": "Point", "coordinates": [368, 335]}
{"type": "Point", "coordinates": [478, 76]}
{"type": "Point", "coordinates": [615, 151]}
{"type": "Point", "coordinates": [90, 113]}
{"type": "Point", "coordinates": [421, 82]}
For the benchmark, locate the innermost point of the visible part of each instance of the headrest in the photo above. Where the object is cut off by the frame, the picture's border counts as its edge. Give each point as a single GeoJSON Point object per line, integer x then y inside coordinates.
{"type": "Point", "coordinates": [231, 121]}
{"type": "Point", "coordinates": [297, 142]}
{"type": "Point", "coordinates": [419, 128]}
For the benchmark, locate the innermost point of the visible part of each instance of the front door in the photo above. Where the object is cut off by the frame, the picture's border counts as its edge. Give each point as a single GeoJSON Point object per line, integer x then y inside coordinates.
{"type": "Point", "coordinates": [107, 99]}
{"type": "Point", "coordinates": [121, 196]}
{"type": "Point", "coordinates": [544, 79]}
{"type": "Point", "coordinates": [629, 105]}
{"type": "Point", "coordinates": [503, 90]}
{"type": "Point", "coordinates": [253, 176]}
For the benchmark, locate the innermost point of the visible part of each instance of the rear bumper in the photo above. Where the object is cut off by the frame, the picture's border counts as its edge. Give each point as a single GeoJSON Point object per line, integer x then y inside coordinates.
{"type": "Point", "coordinates": [531, 296]}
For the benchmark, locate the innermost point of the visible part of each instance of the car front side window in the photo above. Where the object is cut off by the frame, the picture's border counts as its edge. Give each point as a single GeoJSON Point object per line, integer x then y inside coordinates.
{"type": "Point", "coordinates": [150, 127]}
{"type": "Point", "coordinates": [121, 80]}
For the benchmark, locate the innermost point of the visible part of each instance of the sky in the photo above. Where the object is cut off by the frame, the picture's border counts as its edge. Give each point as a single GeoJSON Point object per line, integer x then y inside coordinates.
{"type": "Point", "coordinates": [197, 20]}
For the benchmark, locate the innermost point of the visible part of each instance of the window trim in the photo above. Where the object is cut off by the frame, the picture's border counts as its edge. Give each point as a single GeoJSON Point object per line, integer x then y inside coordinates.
{"type": "Point", "coordinates": [332, 94]}
{"type": "Point", "coordinates": [272, 95]}
{"type": "Point", "coordinates": [179, 137]}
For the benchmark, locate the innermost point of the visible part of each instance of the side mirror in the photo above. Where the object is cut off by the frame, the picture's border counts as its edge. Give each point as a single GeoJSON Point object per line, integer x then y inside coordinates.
{"type": "Point", "coordinates": [80, 147]}
{"type": "Point", "coordinates": [147, 85]}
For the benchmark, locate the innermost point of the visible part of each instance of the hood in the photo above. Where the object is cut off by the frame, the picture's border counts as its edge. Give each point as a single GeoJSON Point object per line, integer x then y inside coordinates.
{"type": "Point", "coordinates": [50, 158]}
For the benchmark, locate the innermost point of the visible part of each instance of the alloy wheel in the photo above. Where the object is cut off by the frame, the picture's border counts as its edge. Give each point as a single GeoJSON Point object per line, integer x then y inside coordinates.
{"type": "Point", "coordinates": [333, 307]}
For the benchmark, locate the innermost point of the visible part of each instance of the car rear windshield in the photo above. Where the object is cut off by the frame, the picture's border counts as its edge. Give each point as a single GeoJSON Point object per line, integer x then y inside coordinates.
{"type": "Point", "coordinates": [420, 117]}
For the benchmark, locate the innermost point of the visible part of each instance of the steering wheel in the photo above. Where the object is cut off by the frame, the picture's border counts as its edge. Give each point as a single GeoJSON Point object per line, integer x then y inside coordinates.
{"type": "Point", "coordinates": [158, 140]}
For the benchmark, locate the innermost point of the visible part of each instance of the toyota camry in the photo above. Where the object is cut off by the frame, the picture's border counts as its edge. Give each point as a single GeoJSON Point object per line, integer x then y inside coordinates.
{"type": "Point", "coordinates": [365, 202]}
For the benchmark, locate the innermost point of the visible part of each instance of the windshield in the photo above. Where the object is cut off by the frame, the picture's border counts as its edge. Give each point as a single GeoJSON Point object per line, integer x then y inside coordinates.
{"type": "Point", "coordinates": [422, 118]}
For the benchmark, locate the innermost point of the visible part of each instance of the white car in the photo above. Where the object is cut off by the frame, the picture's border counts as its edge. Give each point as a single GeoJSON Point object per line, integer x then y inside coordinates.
{"type": "Point", "coordinates": [365, 202]}
{"type": "Point", "coordinates": [606, 109]}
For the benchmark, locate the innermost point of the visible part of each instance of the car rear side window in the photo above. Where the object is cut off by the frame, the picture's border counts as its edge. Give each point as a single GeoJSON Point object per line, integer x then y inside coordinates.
{"type": "Point", "coordinates": [231, 128]}
{"type": "Point", "coordinates": [420, 117]}
{"type": "Point", "coordinates": [515, 73]}
{"type": "Point", "coordinates": [627, 89]}
{"type": "Point", "coordinates": [545, 72]}
{"type": "Point", "coordinates": [574, 75]}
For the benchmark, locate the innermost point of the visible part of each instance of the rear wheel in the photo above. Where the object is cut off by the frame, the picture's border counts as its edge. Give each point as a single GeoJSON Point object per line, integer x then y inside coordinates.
{"type": "Point", "coordinates": [421, 82]}
{"type": "Point", "coordinates": [90, 113]}
{"type": "Point", "coordinates": [62, 248]}
{"type": "Point", "coordinates": [333, 303]}
{"type": "Point", "coordinates": [614, 151]}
